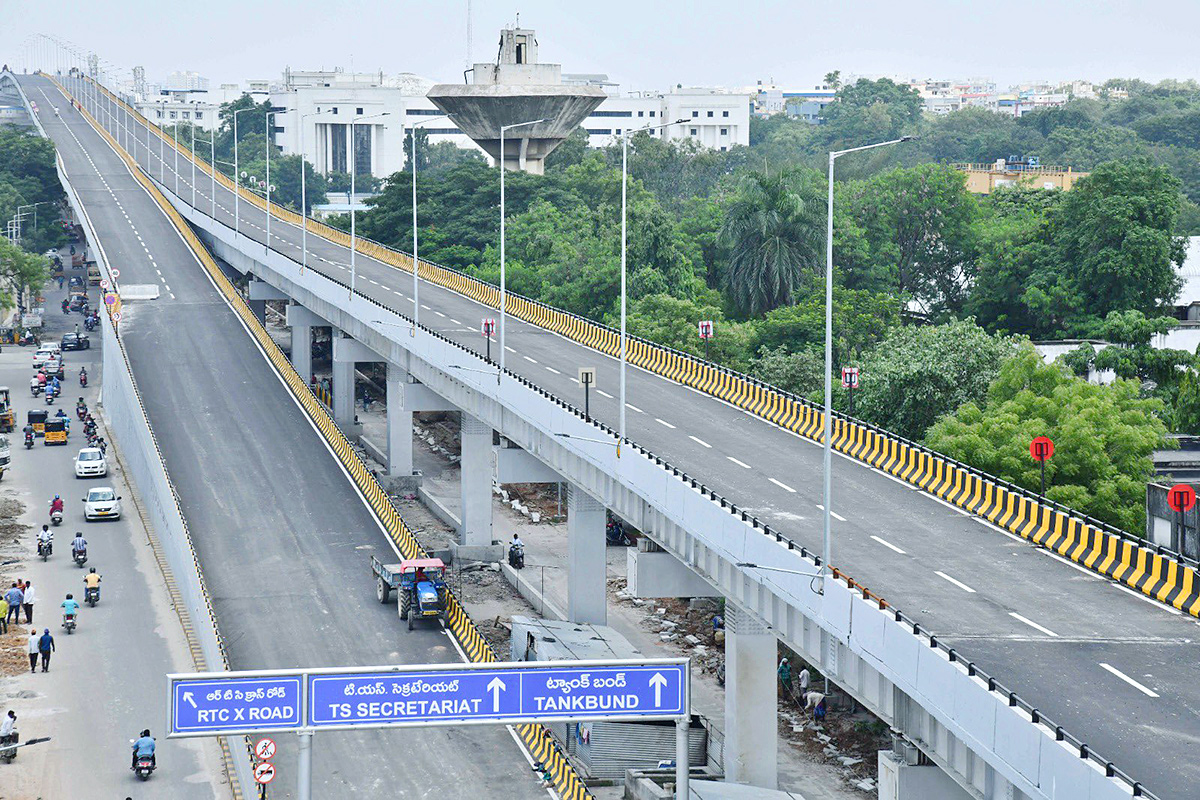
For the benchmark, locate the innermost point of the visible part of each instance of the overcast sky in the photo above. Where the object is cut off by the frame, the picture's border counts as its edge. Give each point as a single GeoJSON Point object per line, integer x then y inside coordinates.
{"type": "Point", "coordinates": [643, 44]}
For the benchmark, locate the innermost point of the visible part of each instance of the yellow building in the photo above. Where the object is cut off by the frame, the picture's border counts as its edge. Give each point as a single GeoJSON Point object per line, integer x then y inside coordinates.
{"type": "Point", "coordinates": [984, 178]}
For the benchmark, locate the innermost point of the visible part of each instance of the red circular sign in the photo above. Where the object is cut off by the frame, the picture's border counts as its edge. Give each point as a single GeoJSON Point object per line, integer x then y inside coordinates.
{"type": "Point", "coordinates": [264, 772]}
{"type": "Point", "coordinates": [1041, 448]}
{"type": "Point", "coordinates": [1181, 497]}
{"type": "Point", "coordinates": [265, 749]}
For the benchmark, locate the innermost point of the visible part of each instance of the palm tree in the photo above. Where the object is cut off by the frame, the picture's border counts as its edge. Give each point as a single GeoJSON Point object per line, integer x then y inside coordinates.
{"type": "Point", "coordinates": [774, 232]}
{"type": "Point", "coordinates": [833, 79]}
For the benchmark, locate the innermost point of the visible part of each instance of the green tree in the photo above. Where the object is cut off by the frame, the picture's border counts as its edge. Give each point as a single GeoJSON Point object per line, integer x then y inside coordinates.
{"type": "Point", "coordinates": [671, 321]}
{"type": "Point", "coordinates": [860, 320]}
{"type": "Point", "coordinates": [20, 270]}
{"type": "Point", "coordinates": [1103, 437]}
{"type": "Point", "coordinates": [800, 373]}
{"type": "Point", "coordinates": [773, 231]}
{"type": "Point", "coordinates": [917, 374]}
{"type": "Point", "coordinates": [868, 111]}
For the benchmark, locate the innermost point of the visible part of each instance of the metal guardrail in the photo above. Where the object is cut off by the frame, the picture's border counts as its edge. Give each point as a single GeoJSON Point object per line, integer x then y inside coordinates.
{"type": "Point", "coordinates": [1012, 698]}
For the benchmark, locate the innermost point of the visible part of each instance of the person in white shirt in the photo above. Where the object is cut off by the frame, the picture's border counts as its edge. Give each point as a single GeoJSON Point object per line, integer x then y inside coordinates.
{"type": "Point", "coordinates": [9, 724]}
{"type": "Point", "coordinates": [33, 649]}
{"type": "Point", "coordinates": [805, 678]}
{"type": "Point", "coordinates": [28, 602]}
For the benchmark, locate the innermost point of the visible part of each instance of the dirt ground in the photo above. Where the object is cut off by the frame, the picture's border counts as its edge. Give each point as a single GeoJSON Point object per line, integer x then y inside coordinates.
{"type": "Point", "coordinates": [13, 659]}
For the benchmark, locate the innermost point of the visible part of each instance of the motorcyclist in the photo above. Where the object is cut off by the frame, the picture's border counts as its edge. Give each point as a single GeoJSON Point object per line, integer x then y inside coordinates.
{"type": "Point", "coordinates": [66, 306]}
{"type": "Point", "coordinates": [41, 378]}
{"type": "Point", "coordinates": [83, 376]}
{"type": "Point", "coordinates": [45, 537]}
{"type": "Point", "coordinates": [144, 746]}
{"type": "Point", "coordinates": [92, 581]}
{"type": "Point", "coordinates": [70, 607]}
{"type": "Point", "coordinates": [66, 420]}
{"type": "Point", "coordinates": [78, 544]}
{"type": "Point", "coordinates": [35, 385]}
{"type": "Point", "coordinates": [56, 505]}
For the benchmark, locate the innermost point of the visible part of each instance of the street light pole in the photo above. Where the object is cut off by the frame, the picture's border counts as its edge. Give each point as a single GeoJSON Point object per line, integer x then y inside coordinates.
{"type": "Point", "coordinates": [267, 123]}
{"type": "Point", "coordinates": [353, 172]}
{"type": "Point", "coordinates": [237, 175]}
{"type": "Point", "coordinates": [304, 196]}
{"type": "Point", "coordinates": [412, 129]}
{"type": "Point", "coordinates": [503, 287]}
{"type": "Point", "coordinates": [827, 460]}
{"type": "Point", "coordinates": [624, 256]}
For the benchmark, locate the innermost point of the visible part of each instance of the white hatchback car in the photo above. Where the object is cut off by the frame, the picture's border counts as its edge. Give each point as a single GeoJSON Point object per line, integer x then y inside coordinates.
{"type": "Point", "coordinates": [91, 463]}
{"type": "Point", "coordinates": [43, 355]}
{"type": "Point", "coordinates": [101, 503]}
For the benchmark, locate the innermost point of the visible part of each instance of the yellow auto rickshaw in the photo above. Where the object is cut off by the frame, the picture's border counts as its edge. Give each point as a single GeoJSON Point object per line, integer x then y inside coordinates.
{"type": "Point", "coordinates": [56, 430]}
{"type": "Point", "coordinates": [7, 418]}
{"type": "Point", "coordinates": [37, 418]}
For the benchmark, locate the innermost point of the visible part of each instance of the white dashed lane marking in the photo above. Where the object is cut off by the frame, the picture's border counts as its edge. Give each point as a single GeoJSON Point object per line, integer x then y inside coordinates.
{"type": "Point", "coordinates": [957, 583]}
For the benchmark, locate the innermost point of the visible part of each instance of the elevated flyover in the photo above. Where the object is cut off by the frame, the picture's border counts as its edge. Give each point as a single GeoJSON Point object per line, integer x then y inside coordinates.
{"type": "Point", "coordinates": [282, 534]}
{"type": "Point", "coordinates": [1107, 664]}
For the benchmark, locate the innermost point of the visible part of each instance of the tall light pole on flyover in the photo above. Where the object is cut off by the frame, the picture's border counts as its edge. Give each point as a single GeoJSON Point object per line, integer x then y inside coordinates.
{"type": "Point", "coordinates": [625, 252]}
{"type": "Point", "coordinates": [237, 175]}
{"type": "Point", "coordinates": [267, 121]}
{"type": "Point", "coordinates": [303, 194]}
{"type": "Point", "coordinates": [353, 172]}
{"type": "Point", "coordinates": [503, 287]}
{"type": "Point", "coordinates": [828, 415]}
{"type": "Point", "coordinates": [412, 131]}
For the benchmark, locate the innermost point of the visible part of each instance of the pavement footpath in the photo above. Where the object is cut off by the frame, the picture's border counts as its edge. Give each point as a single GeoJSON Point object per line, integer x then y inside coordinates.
{"type": "Point", "coordinates": [107, 679]}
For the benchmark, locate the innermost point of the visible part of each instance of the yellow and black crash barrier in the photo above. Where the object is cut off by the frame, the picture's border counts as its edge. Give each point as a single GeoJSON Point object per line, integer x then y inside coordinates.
{"type": "Point", "coordinates": [1119, 556]}
{"type": "Point", "coordinates": [566, 780]}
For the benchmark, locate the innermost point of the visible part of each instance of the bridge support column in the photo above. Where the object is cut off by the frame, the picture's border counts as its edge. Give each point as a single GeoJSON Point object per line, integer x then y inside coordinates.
{"type": "Point", "coordinates": [476, 483]}
{"type": "Point", "coordinates": [302, 321]}
{"type": "Point", "coordinates": [343, 386]}
{"type": "Point", "coordinates": [751, 724]}
{"type": "Point", "coordinates": [586, 559]}
{"type": "Point", "coordinates": [259, 309]}
{"type": "Point", "coordinates": [399, 424]}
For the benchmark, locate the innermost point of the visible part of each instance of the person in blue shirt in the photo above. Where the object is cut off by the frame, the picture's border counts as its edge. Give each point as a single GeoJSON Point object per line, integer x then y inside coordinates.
{"type": "Point", "coordinates": [70, 607]}
{"type": "Point", "coordinates": [144, 746]}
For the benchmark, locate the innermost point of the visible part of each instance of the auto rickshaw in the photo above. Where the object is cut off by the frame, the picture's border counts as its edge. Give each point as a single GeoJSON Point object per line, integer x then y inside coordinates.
{"type": "Point", "coordinates": [8, 420]}
{"type": "Point", "coordinates": [56, 431]}
{"type": "Point", "coordinates": [37, 418]}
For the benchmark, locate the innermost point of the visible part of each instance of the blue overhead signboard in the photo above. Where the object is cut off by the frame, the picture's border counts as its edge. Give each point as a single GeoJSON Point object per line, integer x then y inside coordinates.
{"type": "Point", "coordinates": [509, 693]}
{"type": "Point", "coordinates": [216, 706]}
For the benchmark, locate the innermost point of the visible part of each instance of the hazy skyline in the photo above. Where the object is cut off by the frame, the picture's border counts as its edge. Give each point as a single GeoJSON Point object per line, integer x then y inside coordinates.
{"type": "Point", "coordinates": [640, 45]}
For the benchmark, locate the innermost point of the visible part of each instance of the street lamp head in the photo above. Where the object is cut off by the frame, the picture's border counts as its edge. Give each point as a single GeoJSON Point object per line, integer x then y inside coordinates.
{"type": "Point", "coordinates": [747, 564]}
{"type": "Point", "coordinates": [277, 109]}
{"type": "Point", "coordinates": [907, 138]}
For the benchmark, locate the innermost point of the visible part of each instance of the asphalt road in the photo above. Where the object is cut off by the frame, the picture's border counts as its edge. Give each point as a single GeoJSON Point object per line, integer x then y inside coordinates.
{"type": "Point", "coordinates": [283, 538]}
{"type": "Point", "coordinates": [1113, 667]}
{"type": "Point", "coordinates": [95, 697]}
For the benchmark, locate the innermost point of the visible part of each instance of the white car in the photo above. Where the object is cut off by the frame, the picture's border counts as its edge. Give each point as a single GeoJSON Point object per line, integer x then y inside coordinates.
{"type": "Point", "coordinates": [91, 463]}
{"type": "Point", "coordinates": [101, 503]}
{"type": "Point", "coordinates": [43, 355]}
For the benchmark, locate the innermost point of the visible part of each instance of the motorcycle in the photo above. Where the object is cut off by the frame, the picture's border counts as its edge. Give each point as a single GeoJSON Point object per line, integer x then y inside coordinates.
{"type": "Point", "coordinates": [89, 324]}
{"type": "Point", "coordinates": [29, 441]}
{"type": "Point", "coordinates": [44, 549]}
{"type": "Point", "coordinates": [80, 557]}
{"type": "Point", "coordinates": [614, 535]}
{"type": "Point", "coordinates": [9, 745]}
{"type": "Point", "coordinates": [35, 387]}
{"type": "Point", "coordinates": [66, 306]}
{"type": "Point", "coordinates": [49, 397]}
{"type": "Point", "coordinates": [69, 622]}
{"type": "Point", "coordinates": [26, 339]}
{"type": "Point", "coordinates": [80, 411]}
{"type": "Point", "coordinates": [143, 765]}
{"type": "Point", "coordinates": [91, 595]}
{"type": "Point", "coordinates": [516, 556]}
{"type": "Point", "coordinates": [82, 378]}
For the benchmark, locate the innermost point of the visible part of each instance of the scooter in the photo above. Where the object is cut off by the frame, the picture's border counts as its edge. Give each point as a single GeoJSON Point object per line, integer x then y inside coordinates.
{"type": "Point", "coordinates": [82, 378]}
{"type": "Point", "coordinates": [50, 397]}
{"type": "Point", "coordinates": [143, 766]}
{"type": "Point", "coordinates": [80, 411]}
{"type": "Point", "coordinates": [56, 518]}
{"type": "Point", "coordinates": [35, 388]}
{"type": "Point", "coordinates": [44, 549]}
{"type": "Point", "coordinates": [516, 556]}
{"type": "Point", "coordinates": [80, 557]}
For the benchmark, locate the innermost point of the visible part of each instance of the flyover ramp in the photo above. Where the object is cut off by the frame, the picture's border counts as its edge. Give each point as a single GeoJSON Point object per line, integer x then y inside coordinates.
{"type": "Point", "coordinates": [283, 537]}
{"type": "Point", "coordinates": [1075, 645]}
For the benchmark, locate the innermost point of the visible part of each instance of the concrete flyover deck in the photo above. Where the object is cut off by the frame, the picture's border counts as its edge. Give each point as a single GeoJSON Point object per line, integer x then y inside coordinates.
{"type": "Point", "coordinates": [1111, 666]}
{"type": "Point", "coordinates": [283, 537]}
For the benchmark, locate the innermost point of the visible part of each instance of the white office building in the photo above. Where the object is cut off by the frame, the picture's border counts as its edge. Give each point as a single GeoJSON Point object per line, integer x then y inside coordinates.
{"type": "Point", "coordinates": [194, 106]}
{"type": "Point", "coordinates": [322, 104]}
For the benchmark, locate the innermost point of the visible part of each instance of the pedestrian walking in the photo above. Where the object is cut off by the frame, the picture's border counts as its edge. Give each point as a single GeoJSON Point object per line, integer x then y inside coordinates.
{"type": "Point", "coordinates": [3, 614]}
{"type": "Point", "coordinates": [60, 281]}
{"type": "Point", "coordinates": [805, 679]}
{"type": "Point", "coordinates": [33, 649]}
{"type": "Point", "coordinates": [14, 596]}
{"type": "Point", "coordinates": [45, 648]}
{"type": "Point", "coordinates": [29, 599]}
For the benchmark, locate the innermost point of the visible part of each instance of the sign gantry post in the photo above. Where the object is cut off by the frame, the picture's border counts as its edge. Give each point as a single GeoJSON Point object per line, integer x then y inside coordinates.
{"type": "Point", "coordinates": [587, 378]}
{"type": "Point", "coordinates": [500, 693]}
{"type": "Point", "coordinates": [850, 383]}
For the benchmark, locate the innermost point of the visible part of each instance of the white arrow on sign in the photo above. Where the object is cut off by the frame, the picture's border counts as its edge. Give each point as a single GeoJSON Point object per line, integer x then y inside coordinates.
{"type": "Point", "coordinates": [658, 682]}
{"type": "Point", "coordinates": [188, 698]}
{"type": "Point", "coordinates": [496, 687]}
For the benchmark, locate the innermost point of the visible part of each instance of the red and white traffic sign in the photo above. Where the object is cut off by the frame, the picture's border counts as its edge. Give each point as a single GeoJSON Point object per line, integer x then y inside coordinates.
{"type": "Point", "coordinates": [109, 299]}
{"type": "Point", "coordinates": [1041, 448]}
{"type": "Point", "coordinates": [706, 329]}
{"type": "Point", "coordinates": [265, 749]}
{"type": "Point", "coordinates": [264, 773]}
{"type": "Point", "coordinates": [1181, 497]}
{"type": "Point", "coordinates": [489, 327]}
{"type": "Point", "coordinates": [116, 316]}
{"type": "Point", "coordinates": [116, 273]}
{"type": "Point", "coordinates": [849, 377]}
{"type": "Point", "coordinates": [104, 284]}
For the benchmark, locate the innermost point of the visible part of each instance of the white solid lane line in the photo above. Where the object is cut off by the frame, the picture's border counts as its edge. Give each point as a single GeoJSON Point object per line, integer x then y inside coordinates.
{"type": "Point", "coordinates": [1129, 680]}
{"type": "Point", "coordinates": [1032, 624]}
{"type": "Point", "coordinates": [741, 464]}
{"type": "Point", "coordinates": [957, 583]}
{"type": "Point", "coordinates": [888, 545]}
{"type": "Point", "coordinates": [664, 422]}
{"type": "Point", "coordinates": [700, 442]}
{"type": "Point", "coordinates": [783, 486]}
{"type": "Point", "coordinates": [833, 514]}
